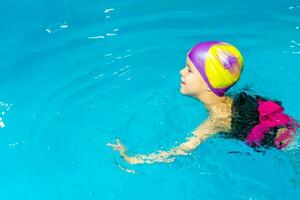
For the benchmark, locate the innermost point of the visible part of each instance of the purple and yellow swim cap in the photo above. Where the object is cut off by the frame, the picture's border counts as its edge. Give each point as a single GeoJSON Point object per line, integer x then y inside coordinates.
{"type": "Point", "coordinates": [220, 64]}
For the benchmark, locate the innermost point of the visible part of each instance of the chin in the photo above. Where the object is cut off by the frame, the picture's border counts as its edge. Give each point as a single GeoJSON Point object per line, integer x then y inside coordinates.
{"type": "Point", "coordinates": [183, 91]}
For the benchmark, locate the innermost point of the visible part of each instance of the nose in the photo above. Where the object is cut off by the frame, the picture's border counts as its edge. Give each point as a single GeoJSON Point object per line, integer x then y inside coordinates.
{"type": "Point", "coordinates": [182, 71]}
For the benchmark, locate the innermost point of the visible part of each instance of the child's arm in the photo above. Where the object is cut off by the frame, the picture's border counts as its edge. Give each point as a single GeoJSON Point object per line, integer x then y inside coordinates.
{"type": "Point", "coordinates": [200, 134]}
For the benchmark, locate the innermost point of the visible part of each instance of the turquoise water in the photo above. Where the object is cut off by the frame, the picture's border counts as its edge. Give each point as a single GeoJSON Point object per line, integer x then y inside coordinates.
{"type": "Point", "coordinates": [75, 75]}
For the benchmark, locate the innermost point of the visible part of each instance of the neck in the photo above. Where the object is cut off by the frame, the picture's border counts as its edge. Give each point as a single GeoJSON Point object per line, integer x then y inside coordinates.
{"type": "Point", "coordinates": [213, 102]}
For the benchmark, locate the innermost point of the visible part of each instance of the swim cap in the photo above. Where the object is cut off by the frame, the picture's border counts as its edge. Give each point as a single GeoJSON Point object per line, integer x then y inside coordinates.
{"type": "Point", "coordinates": [220, 64]}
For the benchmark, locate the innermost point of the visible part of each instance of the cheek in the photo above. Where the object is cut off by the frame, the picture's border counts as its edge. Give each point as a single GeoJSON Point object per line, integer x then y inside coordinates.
{"type": "Point", "coordinates": [193, 83]}
{"type": "Point", "coordinates": [198, 84]}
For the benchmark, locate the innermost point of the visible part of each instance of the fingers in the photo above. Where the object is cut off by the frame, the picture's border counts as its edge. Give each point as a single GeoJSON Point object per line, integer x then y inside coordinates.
{"type": "Point", "coordinates": [117, 146]}
{"type": "Point", "coordinates": [117, 143]}
{"type": "Point", "coordinates": [110, 145]}
{"type": "Point", "coordinates": [113, 146]}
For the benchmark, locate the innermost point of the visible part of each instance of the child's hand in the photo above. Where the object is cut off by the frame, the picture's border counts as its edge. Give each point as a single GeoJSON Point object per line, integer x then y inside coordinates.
{"type": "Point", "coordinates": [117, 146]}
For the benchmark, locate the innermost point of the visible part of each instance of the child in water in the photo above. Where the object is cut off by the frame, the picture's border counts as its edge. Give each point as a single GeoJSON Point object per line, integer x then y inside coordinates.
{"type": "Point", "coordinates": [211, 69]}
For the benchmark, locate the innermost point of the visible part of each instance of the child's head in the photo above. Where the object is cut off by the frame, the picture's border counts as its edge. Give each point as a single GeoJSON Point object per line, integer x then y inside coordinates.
{"type": "Point", "coordinates": [211, 66]}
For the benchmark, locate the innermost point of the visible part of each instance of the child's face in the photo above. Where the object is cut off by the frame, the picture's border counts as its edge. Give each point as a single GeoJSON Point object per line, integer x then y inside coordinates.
{"type": "Point", "coordinates": [192, 82]}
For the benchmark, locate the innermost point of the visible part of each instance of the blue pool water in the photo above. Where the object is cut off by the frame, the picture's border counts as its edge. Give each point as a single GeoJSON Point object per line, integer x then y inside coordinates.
{"type": "Point", "coordinates": [77, 74]}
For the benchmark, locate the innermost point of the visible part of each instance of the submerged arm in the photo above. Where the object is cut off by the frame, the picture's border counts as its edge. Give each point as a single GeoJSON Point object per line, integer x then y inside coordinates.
{"type": "Point", "coordinates": [205, 130]}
